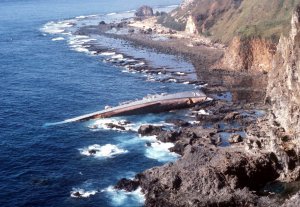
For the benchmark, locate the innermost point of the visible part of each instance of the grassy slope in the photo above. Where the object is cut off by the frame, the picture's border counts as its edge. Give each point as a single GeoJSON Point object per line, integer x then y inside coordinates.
{"type": "Point", "coordinates": [263, 18]}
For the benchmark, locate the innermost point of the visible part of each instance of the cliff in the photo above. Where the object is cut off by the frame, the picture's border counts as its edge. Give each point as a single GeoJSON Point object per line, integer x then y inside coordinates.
{"type": "Point", "coordinates": [284, 82]}
{"type": "Point", "coordinates": [248, 55]}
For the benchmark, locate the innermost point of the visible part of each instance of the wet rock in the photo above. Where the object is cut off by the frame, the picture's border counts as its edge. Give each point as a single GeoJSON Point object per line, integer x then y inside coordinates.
{"type": "Point", "coordinates": [124, 122]}
{"type": "Point", "coordinates": [127, 185]}
{"type": "Point", "coordinates": [93, 151]}
{"type": "Point", "coordinates": [179, 147]}
{"type": "Point", "coordinates": [178, 122]}
{"type": "Point", "coordinates": [148, 144]}
{"type": "Point", "coordinates": [235, 138]}
{"type": "Point", "coordinates": [219, 177]}
{"type": "Point", "coordinates": [77, 194]}
{"type": "Point", "coordinates": [210, 118]}
{"type": "Point", "coordinates": [149, 130]}
{"type": "Point", "coordinates": [144, 11]}
{"type": "Point", "coordinates": [168, 136]}
{"type": "Point", "coordinates": [115, 126]}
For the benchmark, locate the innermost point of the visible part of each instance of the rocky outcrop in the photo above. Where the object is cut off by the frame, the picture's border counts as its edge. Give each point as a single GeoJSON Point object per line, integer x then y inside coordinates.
{"type": "Point", "coordinates": [149, 130]}
{"type": "Point", "coordinates": [191, 27]}
{"type": "Point", "coordinates": [284, 80]}
{"type": "Point", "coordinates": [208, 177]}
{"type": "Point", "coordinates": [294, 201]}
{"type": "Point", "coordinates": [251, 55]}
{"type": "Point", "coordinates": [144, 11]}
{"type": "Point", "coordinates": [186, 3]}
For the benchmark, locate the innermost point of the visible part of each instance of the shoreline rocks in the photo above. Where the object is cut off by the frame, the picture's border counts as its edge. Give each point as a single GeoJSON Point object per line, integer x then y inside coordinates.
{"type": "Point", "coordinates": [144, 11]}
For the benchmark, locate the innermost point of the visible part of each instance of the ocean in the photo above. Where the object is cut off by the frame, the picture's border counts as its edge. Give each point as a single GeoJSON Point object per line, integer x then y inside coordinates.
{"type": "Point", "coordinates": [46, 79]}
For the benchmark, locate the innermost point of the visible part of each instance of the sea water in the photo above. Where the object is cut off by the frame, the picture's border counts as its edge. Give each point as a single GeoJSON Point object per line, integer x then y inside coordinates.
{"type": "Point", "coordinates": [44, 80]}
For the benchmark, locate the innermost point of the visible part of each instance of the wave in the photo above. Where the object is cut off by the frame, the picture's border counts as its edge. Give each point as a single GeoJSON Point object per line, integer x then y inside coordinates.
{"type": "Point", "coordinates": [105, 151]}
{"type": "Point", "coordinates": [56, 27]}
{"type": "Point", "coordinates": [160, 151]}
{"type": "Point", "coordinates": [81, 193]}
{"type": "Point", "coordinates": [58, 39]}
{"type": "Point", "coordinates": [123, 198]}
{"type": "Point", "coordinates": [107, 53]}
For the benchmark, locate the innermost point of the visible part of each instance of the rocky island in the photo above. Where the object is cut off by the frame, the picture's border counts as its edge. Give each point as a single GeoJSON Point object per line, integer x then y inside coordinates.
{"type": "Point", "coordinates": [239, 152]}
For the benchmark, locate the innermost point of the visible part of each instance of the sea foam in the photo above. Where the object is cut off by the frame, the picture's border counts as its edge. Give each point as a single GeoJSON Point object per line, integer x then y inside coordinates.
{"type": "Point", "coordinates": [81, 193]}
{"type": "Point", "coordinates": [160, 152]}
{"type": "Point", "coordinates": [123, 198]}
{"type": "Point", "coordinates": [58, 39]}
{"type": "Point", "coordinates": [105, 151]}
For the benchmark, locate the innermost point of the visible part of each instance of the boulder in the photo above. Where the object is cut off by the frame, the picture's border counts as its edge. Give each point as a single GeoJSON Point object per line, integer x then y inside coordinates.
{"type": "Point", "coordinates": [178, 122]}
{"type": "Point", "coordinates": [149, 130]}
{"type": "Point", "coordinates": [115, 126]}
{"type": "Point", "coordinates": [168, 136]}
{"type": "Point", "coordinates": [127, 185]}
{"type": "Point", "coordinates": [144, 11]}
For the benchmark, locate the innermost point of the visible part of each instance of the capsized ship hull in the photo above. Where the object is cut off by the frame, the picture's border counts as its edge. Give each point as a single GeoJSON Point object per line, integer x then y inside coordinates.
{"type": "Point", "coordinates": [149, 104]}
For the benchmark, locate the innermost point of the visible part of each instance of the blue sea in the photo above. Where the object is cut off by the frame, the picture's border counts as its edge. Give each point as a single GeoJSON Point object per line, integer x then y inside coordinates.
{"type": "Point", "coordinates": [43, 80]}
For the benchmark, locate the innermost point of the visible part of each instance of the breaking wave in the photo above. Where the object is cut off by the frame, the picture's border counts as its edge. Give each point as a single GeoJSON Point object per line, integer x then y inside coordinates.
{"type": "Point", "coordinates": [105, 151]}
{"type": "Point", "coordinates": [123, 198]}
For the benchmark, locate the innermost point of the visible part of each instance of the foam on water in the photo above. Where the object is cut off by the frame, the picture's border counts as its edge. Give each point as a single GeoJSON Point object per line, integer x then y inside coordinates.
{"type": "Point", "coordinates": [56, 27]}
{"type": "Point", "coordinates": [81, 193]}
{"type": "Point", "coordinates": [107, 53]}
{"type": "Point", "coordinates": [105, 151]}
{"type": "Point", "coordinates": [160, 152]}
{"type": "Point", "coordinates": [58, 39]}
{"type": "Point", "coordinates": [203, 112]}
{"type": "Point", "coordinates": [103, 124]}
{"type": "Point", "coordinates": [123, 198]}
{"type": "Point", "coordinates": [110, 14]}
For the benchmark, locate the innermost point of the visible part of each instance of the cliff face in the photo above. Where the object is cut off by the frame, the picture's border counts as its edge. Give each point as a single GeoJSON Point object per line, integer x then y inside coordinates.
{"type": "Point", "coordinates": [284, 83]}
{"type": "Point", "coordinates": [249, 55]}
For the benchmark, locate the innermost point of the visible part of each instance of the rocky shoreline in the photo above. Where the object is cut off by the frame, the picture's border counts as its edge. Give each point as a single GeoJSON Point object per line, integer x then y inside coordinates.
{"type": "Point", "coordinates": [228, 155]}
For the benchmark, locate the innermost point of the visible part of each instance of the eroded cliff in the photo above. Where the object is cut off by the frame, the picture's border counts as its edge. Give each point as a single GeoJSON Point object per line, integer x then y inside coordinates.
{"type": "Point", "coordinates": [284, 82]}
{"type": "Point", "coordinates": [248, 55]}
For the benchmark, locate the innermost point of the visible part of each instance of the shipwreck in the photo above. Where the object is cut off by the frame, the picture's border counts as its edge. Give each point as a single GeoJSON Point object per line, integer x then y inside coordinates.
{"type": "Point", "coordinates": [149, 104]}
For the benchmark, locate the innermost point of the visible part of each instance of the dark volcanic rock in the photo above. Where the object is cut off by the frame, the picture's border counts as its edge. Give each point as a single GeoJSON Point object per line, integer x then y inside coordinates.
{"type": "Point", "coordinates": [115, 126]}
{"type": "Point", "coordinates": [178, 122]}
{"type": "Point", "coordinates": [209, 177]}
{"type": "Point", "coordinates": [149, 130]}
{"type": "Point", "coordinates": [144, 11]}
{"type": "Point", "coordinates": [168, 136]}
{"type": "Point", "coordinates": [179, 147]}
{"type": "Point", "coordinates": [127, 184]}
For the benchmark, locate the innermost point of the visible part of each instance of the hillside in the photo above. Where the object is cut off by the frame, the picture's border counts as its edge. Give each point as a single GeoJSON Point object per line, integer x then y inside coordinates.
{"type": "Point", "coordinates": [224, 19]}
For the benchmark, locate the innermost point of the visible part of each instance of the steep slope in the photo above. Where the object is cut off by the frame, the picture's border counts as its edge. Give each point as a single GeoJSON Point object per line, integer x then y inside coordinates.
{"type": "Point", "coordinates": [224, 19]}
{"type": "Point", "coordinates": [284, 80]}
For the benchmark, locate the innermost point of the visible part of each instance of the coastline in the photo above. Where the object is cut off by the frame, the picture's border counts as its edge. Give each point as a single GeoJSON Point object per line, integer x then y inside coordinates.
{"type": "Point", "coordinates": [204, 145]}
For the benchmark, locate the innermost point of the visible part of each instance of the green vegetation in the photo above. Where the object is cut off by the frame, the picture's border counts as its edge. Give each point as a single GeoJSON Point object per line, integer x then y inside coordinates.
{"type": "Point", "coordinates": [224, 19]}
{"type": "Point", "coordinates": [170, 22]}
